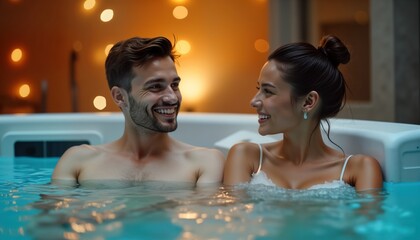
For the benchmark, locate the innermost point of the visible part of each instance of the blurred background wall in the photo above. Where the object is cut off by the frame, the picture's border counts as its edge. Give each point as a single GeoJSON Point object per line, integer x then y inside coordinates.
{"type": "Point", "coordinates": [52, 52]}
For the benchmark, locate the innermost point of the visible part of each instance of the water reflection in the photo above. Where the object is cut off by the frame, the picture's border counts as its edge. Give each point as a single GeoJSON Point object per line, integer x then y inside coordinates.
{"type": "Point", "coordinates": [156, 210]}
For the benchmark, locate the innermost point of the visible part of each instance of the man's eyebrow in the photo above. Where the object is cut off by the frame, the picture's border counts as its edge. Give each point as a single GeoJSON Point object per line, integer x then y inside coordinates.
{"type": "Point", "coordinates": [177, 79]}
{"type": "Point", "coordinates": [154, 81]}
{"type": "Point", "coordinates": [160, 80]}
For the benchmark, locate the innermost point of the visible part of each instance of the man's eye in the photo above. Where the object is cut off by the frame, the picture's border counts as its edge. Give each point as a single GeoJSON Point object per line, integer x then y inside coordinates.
{"type": "Point", "coordinates": [155, 87]}
{"type": "Point", "coordinates": [175, 85]}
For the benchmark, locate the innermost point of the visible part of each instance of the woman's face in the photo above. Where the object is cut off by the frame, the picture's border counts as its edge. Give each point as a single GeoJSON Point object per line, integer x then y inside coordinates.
{"type": "Point", "coordinates": [276, 113]}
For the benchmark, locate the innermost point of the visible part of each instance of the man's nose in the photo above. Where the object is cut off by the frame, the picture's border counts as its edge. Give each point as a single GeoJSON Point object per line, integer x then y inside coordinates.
{"type": "Point", "coordinates": [170, 96]}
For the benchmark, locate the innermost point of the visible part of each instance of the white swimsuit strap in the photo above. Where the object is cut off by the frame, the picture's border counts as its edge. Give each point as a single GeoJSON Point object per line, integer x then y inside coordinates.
{"type": "Point", "coordinates": [344, 167]}
{"type": "Point", "coordinates": [261, 155]}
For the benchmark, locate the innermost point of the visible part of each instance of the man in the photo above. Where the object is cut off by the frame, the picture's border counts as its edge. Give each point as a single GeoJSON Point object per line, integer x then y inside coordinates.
{"type": "Point", "coordinates": [144, 84]}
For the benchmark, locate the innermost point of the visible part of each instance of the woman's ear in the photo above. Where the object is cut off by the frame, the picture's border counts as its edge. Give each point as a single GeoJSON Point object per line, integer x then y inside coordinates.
{"type": "Point", "coordinates": [119, 96]}
{"type": "Point", "coordinates": [311, 101]}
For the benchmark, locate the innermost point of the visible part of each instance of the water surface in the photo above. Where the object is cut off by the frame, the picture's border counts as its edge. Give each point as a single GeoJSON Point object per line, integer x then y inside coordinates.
{"type": "Point", "coordinates": [32, 208]}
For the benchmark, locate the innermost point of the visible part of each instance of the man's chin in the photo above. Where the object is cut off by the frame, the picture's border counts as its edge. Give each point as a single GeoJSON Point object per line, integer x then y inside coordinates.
{"type": "Point", "coordinates": [168, 128]}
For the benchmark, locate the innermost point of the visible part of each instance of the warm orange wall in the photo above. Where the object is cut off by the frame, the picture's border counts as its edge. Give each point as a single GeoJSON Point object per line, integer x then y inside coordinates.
{"type": "Point", "coordinates": [221, 34]}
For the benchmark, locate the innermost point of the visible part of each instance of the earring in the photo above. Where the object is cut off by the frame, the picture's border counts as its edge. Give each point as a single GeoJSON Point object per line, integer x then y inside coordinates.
{"type": "Point", "coordinates": [305, 115]}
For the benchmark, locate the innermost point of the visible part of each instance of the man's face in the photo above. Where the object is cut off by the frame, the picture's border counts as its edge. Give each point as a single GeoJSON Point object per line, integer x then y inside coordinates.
{"type": "Point", "coordinates": [155, 98]}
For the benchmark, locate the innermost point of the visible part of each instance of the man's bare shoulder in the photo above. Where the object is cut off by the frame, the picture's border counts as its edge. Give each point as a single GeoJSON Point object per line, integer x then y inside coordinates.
{"type": "Point", "coordinates": [208, 162]}
{"type": "Point", "coordinates": [197, 153]}
{"type": "Point", "coordinates": [203, 157]}
{"type": "Point", "coordinates": [73, 159]}
{"type": "Point", "coordinates": [81, 153]}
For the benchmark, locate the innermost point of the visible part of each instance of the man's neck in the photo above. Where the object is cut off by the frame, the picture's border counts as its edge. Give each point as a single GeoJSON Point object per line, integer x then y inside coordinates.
{"type": "Point", "coordinates": [146, 143]}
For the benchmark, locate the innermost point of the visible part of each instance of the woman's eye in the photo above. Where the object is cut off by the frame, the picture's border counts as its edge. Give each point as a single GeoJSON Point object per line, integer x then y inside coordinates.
{"type": "Point", "coordinates": [266, 91]}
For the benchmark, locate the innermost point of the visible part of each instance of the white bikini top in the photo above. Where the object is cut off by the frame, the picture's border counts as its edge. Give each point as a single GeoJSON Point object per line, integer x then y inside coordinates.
{"type": "Point", "coordinates": [260, 177]}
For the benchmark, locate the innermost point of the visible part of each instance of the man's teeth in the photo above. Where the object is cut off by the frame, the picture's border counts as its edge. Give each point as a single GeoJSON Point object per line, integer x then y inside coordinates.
{"type": "Point", "coordinates": [165, 111]}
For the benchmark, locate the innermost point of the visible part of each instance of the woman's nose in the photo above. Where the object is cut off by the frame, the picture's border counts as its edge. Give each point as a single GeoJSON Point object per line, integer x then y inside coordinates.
{"type": "Point", "coordinates": [255, 102]}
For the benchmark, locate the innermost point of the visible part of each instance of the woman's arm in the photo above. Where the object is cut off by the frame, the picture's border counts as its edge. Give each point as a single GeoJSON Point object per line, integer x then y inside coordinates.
{"type": "Point", "coordinates": [239, 165]}
{"type": "Point", "coordinates": [367, 173]}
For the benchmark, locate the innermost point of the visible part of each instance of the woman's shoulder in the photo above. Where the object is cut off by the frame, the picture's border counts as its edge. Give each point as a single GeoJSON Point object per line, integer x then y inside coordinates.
{"type": "Point", "coordinates": [245, 152]}
{"type": "Point", "coordinates": [365, 171]}
{"type": "Point", "coordinates": [245, 148]}
{"type": "Point", "coordinates": [361, 160]}
{"type": "Point", "coordinates": [242, 161]}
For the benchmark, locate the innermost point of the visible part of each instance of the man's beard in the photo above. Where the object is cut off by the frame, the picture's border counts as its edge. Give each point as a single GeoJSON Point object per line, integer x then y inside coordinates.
{"type": "Point", "coordinates": [141, 117]}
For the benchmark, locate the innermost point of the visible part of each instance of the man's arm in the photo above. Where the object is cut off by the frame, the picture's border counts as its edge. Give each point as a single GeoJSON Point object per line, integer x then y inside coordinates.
{"type": "Point", "coordinates": [211, 166]}
{"type": "Point", "coordinates": [68, 167]}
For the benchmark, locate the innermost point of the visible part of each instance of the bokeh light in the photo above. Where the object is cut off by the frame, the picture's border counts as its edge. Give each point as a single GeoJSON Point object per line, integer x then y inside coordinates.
{"type": "Point", "coordinates": [107, 15]}
{"type": "Point", "coordinates": [99, 102]}
{"type": "Point", "coordinates": [183, 47]}
{"type": "Point", "coordinates": [180, 12]}
{"type": "Point", "coordinates": [261, 45]}
{"type": "Point", "coordinates": [108, 48]}
{"type": "Point", "coordinates": [179, 1]}
{"type": "Point", "coordinates": [193, 88]}
{"type": "Point", "coordinates": [16, 55]}
{"type": "Point", "coordinates": [24, 90]}
{"type": "Point", "coordinates": [89, 4]}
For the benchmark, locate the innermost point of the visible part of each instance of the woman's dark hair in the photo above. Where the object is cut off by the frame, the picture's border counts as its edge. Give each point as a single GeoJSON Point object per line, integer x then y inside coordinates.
{"type": "Point", "coordinates": [134, 52]}
{"type": "Point", "coordinates": [307, 69]}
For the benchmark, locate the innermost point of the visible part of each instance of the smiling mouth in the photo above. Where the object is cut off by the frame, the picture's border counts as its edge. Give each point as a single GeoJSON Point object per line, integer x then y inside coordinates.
{"type": "Point", "coordinates": [263, 117]}
{"type": "Point", "coordinates": [165, 111]}
{"type": "Point", "coordinates": [169, 112]}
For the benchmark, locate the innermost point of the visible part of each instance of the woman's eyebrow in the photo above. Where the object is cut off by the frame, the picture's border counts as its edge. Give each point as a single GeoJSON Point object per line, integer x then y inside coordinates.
{"type": "Point", "coordinates": [268, 85]}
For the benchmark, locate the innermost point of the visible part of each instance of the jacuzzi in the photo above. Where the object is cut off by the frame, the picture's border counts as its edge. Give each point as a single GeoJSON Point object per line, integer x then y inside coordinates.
{"type": "Point", "coordinates": [395, 145]}
{"type": "Point", "coordinates": [33, 208]}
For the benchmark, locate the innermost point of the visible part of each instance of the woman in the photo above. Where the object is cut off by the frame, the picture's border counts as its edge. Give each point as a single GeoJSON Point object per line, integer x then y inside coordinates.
{"type": "Point", "coordinates": [299, 86]}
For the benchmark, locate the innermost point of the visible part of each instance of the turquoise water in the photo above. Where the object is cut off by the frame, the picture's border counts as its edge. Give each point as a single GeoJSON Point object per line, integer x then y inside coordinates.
{"type": "Point", "coordinates": [31, 208]}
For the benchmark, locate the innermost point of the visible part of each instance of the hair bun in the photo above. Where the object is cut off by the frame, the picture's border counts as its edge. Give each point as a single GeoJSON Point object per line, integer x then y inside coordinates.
{"type": "Point", "coordinates": [335, 50]}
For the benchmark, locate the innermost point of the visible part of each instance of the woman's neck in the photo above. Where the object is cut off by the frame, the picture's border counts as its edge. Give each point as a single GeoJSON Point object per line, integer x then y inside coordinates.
{"type": "Point", "coordinates": [303, 146]}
